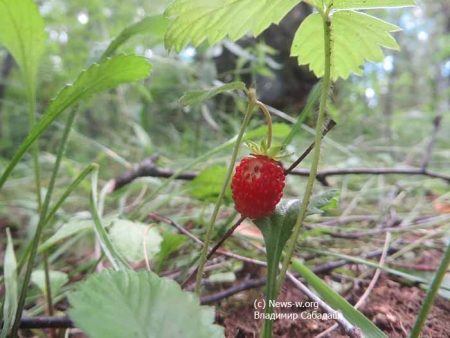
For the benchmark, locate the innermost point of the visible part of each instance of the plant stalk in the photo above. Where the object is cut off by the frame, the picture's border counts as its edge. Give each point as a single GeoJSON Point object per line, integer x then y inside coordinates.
{"type": "Point", "coordinates": [431, 294]}
{"type": "Point", "coordinates": [268, 121]}
{"type": "Point", "coordinates": [209, 230]}
{"type": "Point", "coordinates": [41, 223]}
{"type": "Point", "coordinates": [53, 211]}
{"type": "Point", "coordinates": [48, 293]}
{"type": "Point", "coordinates": [31, 96]}
{"type": "Point", "coordinates": [326, 87]}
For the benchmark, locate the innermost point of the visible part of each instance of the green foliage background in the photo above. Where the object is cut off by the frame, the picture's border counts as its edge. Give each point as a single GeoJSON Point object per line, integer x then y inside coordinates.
{"type": "Point", "coordinates": [385, 119]}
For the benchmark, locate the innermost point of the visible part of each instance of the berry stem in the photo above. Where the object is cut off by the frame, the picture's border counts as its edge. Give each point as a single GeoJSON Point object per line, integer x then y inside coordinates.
{"type": "Point", "coordinates": [326, 88]}
{"type": "Point", "coordinates": [269, 122]}
{"type": "Point", "coordinates": [251, 105]}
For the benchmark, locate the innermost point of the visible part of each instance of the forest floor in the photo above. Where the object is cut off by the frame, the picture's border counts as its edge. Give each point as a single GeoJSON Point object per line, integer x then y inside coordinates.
{"type": "Point", "coordinates": [392, 305]}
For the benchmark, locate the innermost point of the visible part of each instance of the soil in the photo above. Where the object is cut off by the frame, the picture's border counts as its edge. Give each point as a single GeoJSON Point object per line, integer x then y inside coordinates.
{"type": "Point", "coordinates": [392, 306]}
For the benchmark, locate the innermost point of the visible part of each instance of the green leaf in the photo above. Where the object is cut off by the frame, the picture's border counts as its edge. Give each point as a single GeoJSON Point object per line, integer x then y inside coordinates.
{"type": "Point", "coordinates": [22, 32]}
{"type": "Point", "coordinates": [278, 130]}
{"type": "Point", "coordinates": [57, 280]}
{"type": "Point", "coordinates": [207, 185]}
{"type": "Point", "coordinates": [170, 243]}
{"type": "Point", "coordinates": [73, 227]}
{"type": "Point", "coordinates": [99, 77]}
{"type": "Point", "coordinates": [371, 4]}
{"type": "Point", "coordinates": [276, 230]}
{"type": "Point", "coordinates": [197, 20]}
{"type": "Point", "coordinates": [155, 25]}
{"type": "Point", "coordinates": [108, 248]}
{"type": "Point", "coordinates": [197, 96]}
{"type": "Point", "coordinates": [326, 201]}
{"type": "Point", "coordinates": [68, 229]}
{"type": "Point", "coordinates": [337, 302]}
{"type": "Point", "coordinates": [355, 37]}
{"type": "Point", "coordinates": [222, 277]}
{"type": "Point", "coordinates": [11, 288]}
{"type": "Point", "coordinates": [127, 237]}
{"type": "Point", "coordinates": [277, 227]}
{"type": "Point", "coordinates": [139, 305]}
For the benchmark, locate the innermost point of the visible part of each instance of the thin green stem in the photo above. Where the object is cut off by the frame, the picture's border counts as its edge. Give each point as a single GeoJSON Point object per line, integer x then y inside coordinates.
{"type": "Point", "coordinates": [268, 121]}
{"type": "Point", "coordinates": [53, 211]}
{"type": "Point", "coordinates": [431, 294]}
{"type": "Point", "coordinates": [326, 87]}
{"type": "Point", "coordinates": [271, 295]}
{"type": "Point", "coordinates": [48, 288]}
{"type": "Point", "coordinates": [41, 223]}
{"type": "Point", "coordinates": [117, 261]}
{"type": "Point", "coordinates": [209, 230]}
{"type": "Point", "coordinates": [48, 293]}
{"type": "Point", "coordinates": [31, 96]}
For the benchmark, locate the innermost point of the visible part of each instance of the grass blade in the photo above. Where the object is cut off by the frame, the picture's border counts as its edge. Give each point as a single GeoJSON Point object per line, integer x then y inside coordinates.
{"type": "Point", "coordinates": [431, 294]}
{"type": "Point", "coordinates": [11, 289]}
{"type": "Point", "coordinates": [110, 251]}
{"type": "Point", "coordinates": [337, 302]}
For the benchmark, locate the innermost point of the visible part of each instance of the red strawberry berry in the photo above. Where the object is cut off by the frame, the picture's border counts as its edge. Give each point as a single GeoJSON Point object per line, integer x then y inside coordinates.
{"type": "Point", "coordinates": [257, 186]}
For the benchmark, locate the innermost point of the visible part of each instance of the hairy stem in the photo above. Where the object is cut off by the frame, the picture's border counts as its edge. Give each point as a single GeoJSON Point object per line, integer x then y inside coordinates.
{"type": "Point", "coordinates": [209, 230]}
{"type": "Point", "coordinates": [326, 87]}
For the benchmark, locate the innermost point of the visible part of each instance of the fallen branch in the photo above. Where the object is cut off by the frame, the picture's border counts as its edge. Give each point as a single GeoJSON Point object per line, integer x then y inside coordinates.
{"type": "Point", "coordinates": [148, 169]}
{"type": "Point", "coordinates": [257, 283]}
{"type": "Point", "coordinates": [45, 322]}
{"type": "Point", "coordinates": [322, 175]}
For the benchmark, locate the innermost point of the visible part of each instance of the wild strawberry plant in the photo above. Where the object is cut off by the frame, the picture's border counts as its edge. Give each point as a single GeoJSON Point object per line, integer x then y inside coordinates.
{"type": "Point", "coordinates": [335, 41]}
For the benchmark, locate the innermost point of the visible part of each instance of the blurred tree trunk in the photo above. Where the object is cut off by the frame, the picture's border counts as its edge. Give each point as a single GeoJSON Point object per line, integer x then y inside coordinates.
{"type": "Point", "coordinates": [388, 102]}
{"type": "Point", "coordinates": [289, 88]}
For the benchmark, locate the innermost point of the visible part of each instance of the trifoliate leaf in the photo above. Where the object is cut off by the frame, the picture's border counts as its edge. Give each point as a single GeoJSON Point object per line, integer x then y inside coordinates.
{"type": "Point", "coordinates": [139, 305]}
{"type": "Point", "coordinates": [371, 4]}
{"type": "Point", "coordinates": [355, 37]}
{"type": "Point", "coordinates": [197, 20]}
{"type": "Point", "coordinates": [197, 96]}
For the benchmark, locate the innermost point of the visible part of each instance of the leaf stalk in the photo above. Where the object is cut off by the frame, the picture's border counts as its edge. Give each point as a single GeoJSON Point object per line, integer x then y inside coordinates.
{"type": "Point", "coordinates": [326, 88]}
{"type": "Point", "coordinates": [251, 105]}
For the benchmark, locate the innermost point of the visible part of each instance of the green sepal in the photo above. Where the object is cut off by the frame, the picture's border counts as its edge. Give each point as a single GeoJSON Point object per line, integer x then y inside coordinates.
{"type": "Point", "coordinates": [274, 152]}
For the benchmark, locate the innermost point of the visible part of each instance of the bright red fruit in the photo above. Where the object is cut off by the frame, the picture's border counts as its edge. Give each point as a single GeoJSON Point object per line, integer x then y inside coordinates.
{"type": "Point", "coordinates": [257, 186]}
